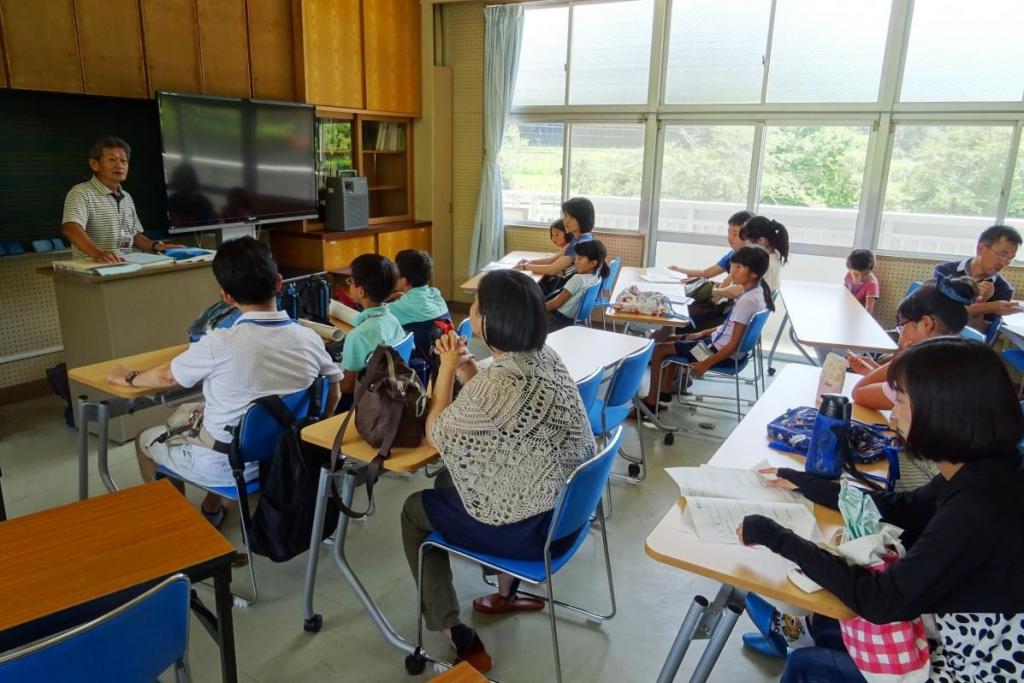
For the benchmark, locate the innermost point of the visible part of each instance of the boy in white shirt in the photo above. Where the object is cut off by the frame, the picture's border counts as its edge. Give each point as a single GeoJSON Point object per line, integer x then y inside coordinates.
{"type": "Point", "coordinates": [264, 353]}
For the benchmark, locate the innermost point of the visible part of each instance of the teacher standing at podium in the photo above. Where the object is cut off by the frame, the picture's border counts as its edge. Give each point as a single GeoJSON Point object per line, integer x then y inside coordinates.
{"type": "Point", "coordinates": [100, 219]}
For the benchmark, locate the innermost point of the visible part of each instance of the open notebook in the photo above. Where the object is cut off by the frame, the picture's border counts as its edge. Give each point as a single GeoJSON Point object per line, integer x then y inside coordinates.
{"type": "Point", "coordinates": [718, 498]}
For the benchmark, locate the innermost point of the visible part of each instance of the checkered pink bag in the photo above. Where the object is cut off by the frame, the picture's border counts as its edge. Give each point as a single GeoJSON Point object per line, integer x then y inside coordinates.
{"type": "Point", "coordinates": [887, 653]}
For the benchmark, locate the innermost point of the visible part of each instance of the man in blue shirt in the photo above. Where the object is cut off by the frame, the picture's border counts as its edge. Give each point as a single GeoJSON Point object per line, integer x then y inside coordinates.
{"type": "Point", "coordinates": [996, 249]}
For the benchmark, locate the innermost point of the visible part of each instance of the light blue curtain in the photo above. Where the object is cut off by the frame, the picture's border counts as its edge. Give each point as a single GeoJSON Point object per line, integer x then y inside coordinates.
{"type": "Point", "coordinates": [502, 39]}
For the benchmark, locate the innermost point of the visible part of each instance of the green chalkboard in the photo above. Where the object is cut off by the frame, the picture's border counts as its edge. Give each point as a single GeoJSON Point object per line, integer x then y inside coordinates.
{"type": "Point", "coordinates": [44, 150]}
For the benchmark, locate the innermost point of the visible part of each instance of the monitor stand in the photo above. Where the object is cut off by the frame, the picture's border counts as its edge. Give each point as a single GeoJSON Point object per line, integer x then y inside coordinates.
{"type": "Point", "coordinates": [226, 234]}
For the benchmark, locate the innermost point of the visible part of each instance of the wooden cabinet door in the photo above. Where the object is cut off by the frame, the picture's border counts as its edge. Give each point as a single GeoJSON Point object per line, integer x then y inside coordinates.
{"type": "Point", "coordinates": [390, 243]}
{"type": "Point", "coordinates": [270, 49]}
{"type": "Point", "coordinates": [42, 45]}
{"type": "Point", "coordinates": [110, 41]}
{"type": "Point", "coordinates": [330, 69]}
{"type": "Point", "coordinates": [339, 253]}
{"type": "Point", "coordinates": [171, 31]}
{"type": "Point", "coordinates": [391, 31]}
{"type": "Point", "coordinates": [224, 47]}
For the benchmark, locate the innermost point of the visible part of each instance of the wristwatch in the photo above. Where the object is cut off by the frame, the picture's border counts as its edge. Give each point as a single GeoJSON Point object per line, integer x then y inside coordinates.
{"type": "Point", "coordinates": [130, 377]}
{"type": "Point", "coordinates": [157, 243]}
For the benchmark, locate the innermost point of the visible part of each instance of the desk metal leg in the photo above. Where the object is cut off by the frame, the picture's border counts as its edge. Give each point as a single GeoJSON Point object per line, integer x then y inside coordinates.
{"type": "Point", "coordinates": [83, 447]}
{"type": "Point", "coordinates": [717, 643]}
{"type": "Point", "coordinates": [225, 623]}
{"type": "Point", "coordinates": [312, 621]}
{"type": "Point", "coordinates": [103, 429]}
{"type": "Point", "coordinates": [775, 343]}
{"type": "Point", "coordinates": [683, 639]}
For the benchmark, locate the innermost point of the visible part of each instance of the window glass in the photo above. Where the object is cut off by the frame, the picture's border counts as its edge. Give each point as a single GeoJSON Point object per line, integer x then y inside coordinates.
{"type": "Point", "coordinates": [541, 75]}
{"type": "Point", "coordinates": [944, 184]}
{"type": "Point", "coordinates": [1015, 208]}
{"type": "Point", "coordinates": [531, 172]}
{"type": "Point", "coordinates": [716, 51]}
{"type": "Point", "coordinates": [705, 173]}
{"type": "Point", "coordinates": [827, 51]}
{"type": "Point", "coordinates": [611, 52]}
{"type": "Point", "coordinates": [812, 181]}
{"type": "Point", "coordinates": [606, 163]}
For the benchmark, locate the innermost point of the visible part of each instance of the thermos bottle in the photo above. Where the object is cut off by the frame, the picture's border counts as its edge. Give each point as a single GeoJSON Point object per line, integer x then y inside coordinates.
{"type": "Point", "coordinates": [829, 440]}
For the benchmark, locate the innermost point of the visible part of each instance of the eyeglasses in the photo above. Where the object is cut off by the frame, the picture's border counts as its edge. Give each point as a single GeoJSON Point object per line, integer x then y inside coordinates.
{"type": "Point", "coordinates": [1003, 255]}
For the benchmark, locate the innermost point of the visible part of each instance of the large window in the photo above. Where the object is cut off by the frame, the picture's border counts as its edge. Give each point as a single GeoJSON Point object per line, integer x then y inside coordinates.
{"type": "Point", "coordinates": [890, 124]}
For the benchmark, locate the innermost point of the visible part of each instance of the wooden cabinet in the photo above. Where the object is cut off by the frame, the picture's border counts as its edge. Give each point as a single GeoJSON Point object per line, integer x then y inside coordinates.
{"type": "Point", "coordinates": [390, 243]}
{"type": "Point", "coordinates": [385, 158]}
{"type": "Point", "coordinates": [335, 250]}
{"type": "Point", "coordinates": [272, 60]}
{"type": "Point", "coordinates": [224, 47]}
{"type": "Point", "coordinates": [110, 43]}
{"type": "Point", "coordinates": [42, 45]}
{"type": "Point", "coordinates": [391, 38]}
{"type": "Point", "coordinates": [171, 31]}
{"type": "Point", "coordinates": [329, 69]}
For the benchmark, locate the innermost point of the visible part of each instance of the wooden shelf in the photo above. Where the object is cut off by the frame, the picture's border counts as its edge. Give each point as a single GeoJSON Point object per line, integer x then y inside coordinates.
{"type": "Point", "coordinates": [386, 187]}
{"type": "Point", "coordinates": [383, 151]}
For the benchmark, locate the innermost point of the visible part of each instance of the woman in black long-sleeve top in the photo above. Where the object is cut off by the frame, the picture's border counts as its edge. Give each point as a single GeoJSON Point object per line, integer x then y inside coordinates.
{"type": "Point", "coordinates": [965, 529]}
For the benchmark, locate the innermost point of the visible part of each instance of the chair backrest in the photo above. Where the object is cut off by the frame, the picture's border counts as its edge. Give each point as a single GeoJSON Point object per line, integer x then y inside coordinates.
{"type": "Point", "coordinates": [604, 297]}
{"type": "Point", "coordinates": [582, 492]}
{"type": "Point", "coordinates": [404, 348]}
{"type": "Point", "coordinates": [135, 642]}
{"type": "Point", "coordinates": [587, 302]}
{"type": "Point", "coordinates": [423, 334]}
{"type": "Point", "coordinates": [465, 329]}
{"type": "Point", "coordinates": [628, 375]}
{"type": "Point", "coordinates": [259, 431]}
{"type": "Point", "coordinates": [992, 333]}
{"type": "Point", "coordinates": [913, 287]}
{"type": "Point", "coordinates": [588, 388]}
{"type": "Point", "coordinates": [753, 331]}
{"type": "Point", "coordinates": [970, 333]}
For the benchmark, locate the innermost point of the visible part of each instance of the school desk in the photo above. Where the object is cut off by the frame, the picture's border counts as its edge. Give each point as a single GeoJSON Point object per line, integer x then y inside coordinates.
{"type": "Point", "coordinates": [629, 276]}
{"type": "Point", "coordinates": [584, 349]}
{"type": "Point", "coordinates": [69, 564]}
{"type": "Point", "coordinates": [511, 258]}
{"type": "Point", "coordinates": [826, 316]}
{"type": "Point", "coordinates": [739, 568]}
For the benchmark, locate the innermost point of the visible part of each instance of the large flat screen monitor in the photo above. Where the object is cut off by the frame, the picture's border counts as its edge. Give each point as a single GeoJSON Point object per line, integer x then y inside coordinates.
{"type": "Point", "coordinates": [230, 162]}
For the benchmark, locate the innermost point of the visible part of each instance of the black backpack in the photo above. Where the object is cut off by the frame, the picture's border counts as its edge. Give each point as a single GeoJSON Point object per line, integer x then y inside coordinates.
{"type": "Point", "coordinates": [283, 520]}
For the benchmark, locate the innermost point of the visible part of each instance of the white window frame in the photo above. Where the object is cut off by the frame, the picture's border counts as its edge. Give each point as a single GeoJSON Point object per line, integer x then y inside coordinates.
{"type": "Point", "coordinates": [880, 116]}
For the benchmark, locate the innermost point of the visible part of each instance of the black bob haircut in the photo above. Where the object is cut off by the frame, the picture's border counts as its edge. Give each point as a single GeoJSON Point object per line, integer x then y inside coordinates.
{"type": "Point", "coordinates": [112, 142]}
{"type": "Point", "coordinates": [246, 270]}
{"type": "Point", "coordinates": [511, 307]}
{"type": "Point", "coordinates": [756, 259]}
{"type": "Point", "coordinates": [415, 266]}
{"type": "Point", "coordinates": [928, 300]}
{"type": "Point", "coordinates": [860, 260]}
{"type": "Point", "coordinates": [376, 274]}
{"type": "Point", "coordinates": [963, 402]}
{"type": "Point", "coordinates": [990, 236]}
{"type": "Point", "coordinates": [582, 209]}
{"type": "Point", "coordinates": [595, 251]}
{"type": "Point", "coordinates": [739, 218]}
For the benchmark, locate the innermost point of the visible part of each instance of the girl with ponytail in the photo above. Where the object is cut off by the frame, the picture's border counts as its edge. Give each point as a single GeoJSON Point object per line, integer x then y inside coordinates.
{"type": "Point", "coordinates": [773, 236]}
{"type": "Point", "coordinates": [747, 268]}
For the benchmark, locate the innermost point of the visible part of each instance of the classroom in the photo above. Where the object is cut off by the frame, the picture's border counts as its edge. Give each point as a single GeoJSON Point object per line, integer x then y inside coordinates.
{"type": "Point", "coordinates": [511, 340]}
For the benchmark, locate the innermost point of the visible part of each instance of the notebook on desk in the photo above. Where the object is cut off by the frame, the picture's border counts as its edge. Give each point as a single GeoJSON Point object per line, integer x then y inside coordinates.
{"type": "Point", "coordinates": [144, 259]}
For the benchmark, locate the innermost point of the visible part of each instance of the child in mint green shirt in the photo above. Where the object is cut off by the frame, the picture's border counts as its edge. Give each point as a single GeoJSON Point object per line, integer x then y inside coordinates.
{"type": "Point", "coordinates": [372, 281]}
{"type": "Point", "coordinates": [416, 300]}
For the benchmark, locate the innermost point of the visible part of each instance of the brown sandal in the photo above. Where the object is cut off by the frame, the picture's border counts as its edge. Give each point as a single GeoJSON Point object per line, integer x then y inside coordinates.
{"type": "Point", "coordinates": [496, 603]}
{"type": "Point", "coordinates": [475, 655]}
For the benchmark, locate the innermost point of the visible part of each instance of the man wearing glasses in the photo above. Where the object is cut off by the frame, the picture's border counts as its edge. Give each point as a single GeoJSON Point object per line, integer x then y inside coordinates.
{"type": "Point", "coordinates": [100, 219]}
{"type": "Point", "coordinates": [997, 247]}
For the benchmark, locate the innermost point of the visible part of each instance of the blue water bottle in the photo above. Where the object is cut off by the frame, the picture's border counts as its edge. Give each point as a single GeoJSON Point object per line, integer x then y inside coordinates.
{"type": "Point", "coordinates": [829, 444]}
{"type": "Point", "coordinates": [422, 370]}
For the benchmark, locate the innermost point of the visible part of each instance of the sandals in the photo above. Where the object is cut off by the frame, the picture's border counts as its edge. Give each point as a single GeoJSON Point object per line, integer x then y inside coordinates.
{"type": "Point", "coordinates": [470, 649]}
{"type": "Point", "coordinates": [496, 603]}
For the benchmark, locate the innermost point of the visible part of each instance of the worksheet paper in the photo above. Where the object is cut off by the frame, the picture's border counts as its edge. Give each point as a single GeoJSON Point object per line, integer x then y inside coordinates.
{"type": "Point", "coordinates": [663, 275]}
{"type": "Point", "coordinates": [728, 482]}
{"type": "Point", "coordinates": [716, 519]}
{"type": "Point", "coordinates": [676, 293]}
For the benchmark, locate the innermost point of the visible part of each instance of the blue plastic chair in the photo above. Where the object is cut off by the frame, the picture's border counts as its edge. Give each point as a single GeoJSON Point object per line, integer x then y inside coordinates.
{"type": "Point", "coordinates": [972, 334]}
{"type": "Point", "coordinates": [589, 386]}
{"type": "Point", "coordinates": [604, 298]}
{"type": "Point", "coordinates": [913, 287]}
{"type": "Point", "coordinates": [423, 334]}
{"type": "Point", "coordinates": [611, 411]}
{"type": "Point", "coordinates": [577, 503]}
{"type": "Point", "coordinates": [135, 642]}
{"type": "Point", "coordinates": [405, 347]}
{"type": "Point", "coordinates": [465, 329]}
{"type": "Point", "coordinates": [993, 329]}
{"type": "Point", "coordinates": [587, 304]}
{"type": "Point", "coordinates": [255, 440]}
{"type": "Point", "coordinates": [732, 367]}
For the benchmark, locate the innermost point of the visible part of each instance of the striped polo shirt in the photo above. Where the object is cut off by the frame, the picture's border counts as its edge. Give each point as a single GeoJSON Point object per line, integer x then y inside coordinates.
{"type": "Point", "coordinates": [111, 225]}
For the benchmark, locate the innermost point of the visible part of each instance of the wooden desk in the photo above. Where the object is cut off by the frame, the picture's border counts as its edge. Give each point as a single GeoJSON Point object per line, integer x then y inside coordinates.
{"type": "Point", "coordinates": [740, 567]}
{"type": "Point", "coordinates": [629, 276]}
{"type": "Point", "coordinates": [584, 349]}
{"type": "Point", "coordinates": [95, 375]}
{"type": "Point", "coordinates": [58, 561]}
{"type": "Point", "coordinates": [461, 673]}
{"type": "Point", "coordinates": [352, 446]}
{"type": "Point", "coordinates": [513, 257]}
{"type": "Point", "coordinates": [827, 316]}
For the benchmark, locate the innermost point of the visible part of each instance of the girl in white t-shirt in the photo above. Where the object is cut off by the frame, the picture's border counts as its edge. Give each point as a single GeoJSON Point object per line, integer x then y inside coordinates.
{"type": "Point", "coordinates": [747, 268]}
{"type": "Point", "coordinates": [591, 267]}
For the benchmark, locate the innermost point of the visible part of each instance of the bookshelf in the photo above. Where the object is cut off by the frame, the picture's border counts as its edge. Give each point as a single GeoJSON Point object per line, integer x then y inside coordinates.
{"type": "Point", "coordinates": [385, 159]}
